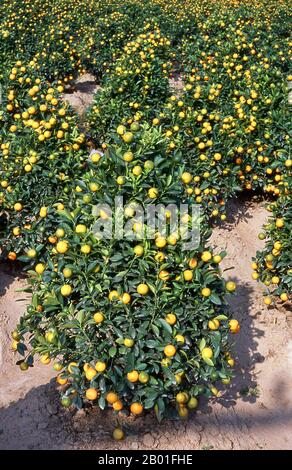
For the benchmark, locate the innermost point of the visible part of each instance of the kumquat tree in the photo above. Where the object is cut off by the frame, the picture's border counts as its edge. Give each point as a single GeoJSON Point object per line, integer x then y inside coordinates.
{"type": "Point", "coordinates": [111, 215]}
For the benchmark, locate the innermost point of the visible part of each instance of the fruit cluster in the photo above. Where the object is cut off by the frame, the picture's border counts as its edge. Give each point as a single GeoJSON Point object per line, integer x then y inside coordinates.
{"type": "Point", "coordinates": [272, 266]}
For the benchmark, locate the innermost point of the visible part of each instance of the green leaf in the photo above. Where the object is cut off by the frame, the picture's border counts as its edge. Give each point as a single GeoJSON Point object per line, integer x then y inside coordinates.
{"type": "Point", "coordinates": [155, 330]}
{"type": "Point", "coordinates": [152, 343]}
{"type": "Point", "coordinates": [101, 402]}
{"type": "Point", "coordinates": [112, 351]}
{"type": "Point", "coordinates": [208, 361]}
{"type": "Point", "coordinates": [21, 348]}
{"type": "Point", "coordinates": [215, 299]}
{"type": "Point", "coordinates": [165, 325]}
{"type": "Point", "coordinates": [202, 344]}
{"type": "Point", "coordinates": [221, 317]}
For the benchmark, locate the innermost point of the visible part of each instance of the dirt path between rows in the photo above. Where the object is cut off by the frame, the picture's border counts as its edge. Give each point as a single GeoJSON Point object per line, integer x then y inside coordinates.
{"type": "Point", "coordinates": [254, 413]}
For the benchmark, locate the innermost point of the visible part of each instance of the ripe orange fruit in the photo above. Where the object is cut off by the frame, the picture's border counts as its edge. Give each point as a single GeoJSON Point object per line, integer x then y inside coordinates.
{"type": "Point", "coordinates": [111, 397]}
{"type": "Point", "coordinates": [45, 359]}
{"type": "Point", "coordinates": [80, 228]}
{"type": "Point", "coordinates": [40, 267]}
{"type": "Point", "coordinates": [90, 373]}
{"type": "Point", "coordinates": [230, 286]}
{"type": "Point", "coordinates": [142, 289]}
{"type": "Point", "coordinates": [118, 434]}
{"type": "Point", "coordinates": [152, 193]}
{"type": "Point", "coordinates": [17, 207]}
{"type": "Point", "coordinates": [57, 366]}
{"type": "Point", "coordinates": [188, 275]}
{"type": "Point", "coordinates": [267, 300]}
{"type": "Point", "coordinates": [91, 394]}
{"type": "Point", "coordinates": [61, 380]}
{"type": "Point", "coordinates": [62, 247]}
{"type": "Point", "coordinates": [164, 275]}
{"type": "Point", "coordinates": [66, 290]}
{"type": "Point", "coordinates": [180, 339]}
{"type": "Point", "coordinates": [136, 408]}
{"type": "Point", "coordinates": [206, 256]}
{"type": "Point", "coordinates": [169, 350]}
{"type": "Point", "coordinates": [193, 263]}
{"type": "Point", "coordinates": [207, 353]}
{"type": "Point", "coordinates": [280, 223]}
{"type": "Point", "coordinates": [100, 366]}
{"type": "Point", "coordinates": [193, 403]}
{"type": "Point", "coordinates": [284, 297]}
{"type": "Point", "coordinates": [183, 412]}
{"type": "Point", "coordinates": [118, 405]}
{"type": "Point", "coordinates": [214, 324]}
{"type": "Point", "coordinates": [98, 317]}
{"type": "Point", "coordinates": [170, 318]}
{"type": "Point", "coordinates": [133, 376]}
{"type": "Point", "coordinates": [113, 295]}
{"type": "Point", "coordinates": [234, 326]}
{"type": "Point", "coordinates": [128, 342]}
{"type": "Point", "coordinates": [126, 298]}
{"type": "Point", "coordinates": [206, 292]}
{"type": "Point", "coordinates": [186, 177]}
{"type": "Point", "coordinates": [138, 250]}
{"type": "Point", "coordinates": [128, 137]}
{"type": "Point", "coordinates": [181, 398]}
{"type": "Point", "coordinates": [12, 256]}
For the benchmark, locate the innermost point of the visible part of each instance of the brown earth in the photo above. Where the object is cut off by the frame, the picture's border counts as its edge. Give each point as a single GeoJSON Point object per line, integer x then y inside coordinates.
{"type": "Point", "coordinates": [81, 96]}
{"type": "Point", "coordinates": [255, 412]}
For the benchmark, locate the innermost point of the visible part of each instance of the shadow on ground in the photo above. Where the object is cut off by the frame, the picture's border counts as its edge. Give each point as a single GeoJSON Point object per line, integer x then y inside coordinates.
{"type": "Point", "coordinates": [8, 273]}
{"type": "Point", "coordinates": [38, 422]}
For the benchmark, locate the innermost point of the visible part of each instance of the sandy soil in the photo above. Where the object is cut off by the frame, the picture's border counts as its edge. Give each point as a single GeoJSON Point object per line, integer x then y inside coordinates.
{"type": "Point", "coordinates": [82, 97]}
{"type": "Point", "coordinates": [255, 412]}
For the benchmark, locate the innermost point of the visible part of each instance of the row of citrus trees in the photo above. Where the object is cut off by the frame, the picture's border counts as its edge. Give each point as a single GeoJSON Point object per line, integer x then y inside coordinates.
{"type": "Point", "coordinates": [229, 127]}
{"type": "Point", "coordinates": [138, 322]}
{"type": "Point", "coordinates": [136, 319]}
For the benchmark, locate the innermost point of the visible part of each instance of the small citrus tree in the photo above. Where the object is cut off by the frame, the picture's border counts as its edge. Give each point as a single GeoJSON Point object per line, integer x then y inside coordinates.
{"type": "Point", "coordinates": [41, 149]}
{"type": "Point", "coordinates": [133, 322]}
